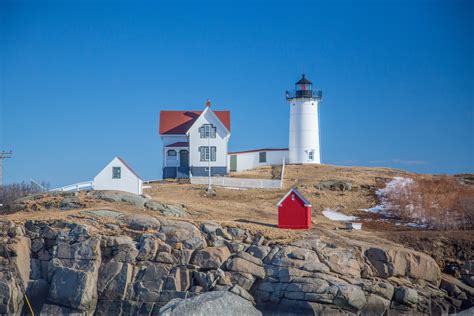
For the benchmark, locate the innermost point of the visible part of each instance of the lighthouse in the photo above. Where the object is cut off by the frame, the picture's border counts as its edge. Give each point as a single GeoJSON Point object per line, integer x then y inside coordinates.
{"type": "Point", "coordinates": [304, 126]}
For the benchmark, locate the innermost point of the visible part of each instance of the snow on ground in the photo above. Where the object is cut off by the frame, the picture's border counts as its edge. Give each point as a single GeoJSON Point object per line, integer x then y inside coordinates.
{"type": "Point", "coordinates": [397, 189]}
{"type": "Point", "coordinates": [336, 216]}
{"type": "Point", "coordinates": [399, 186]}
{"type": "Point", "coordinates": [416, 225]}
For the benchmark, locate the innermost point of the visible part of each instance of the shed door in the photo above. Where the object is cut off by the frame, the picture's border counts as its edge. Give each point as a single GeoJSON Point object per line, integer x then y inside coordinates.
{"type": "Point", "coordinates": [233, 162]}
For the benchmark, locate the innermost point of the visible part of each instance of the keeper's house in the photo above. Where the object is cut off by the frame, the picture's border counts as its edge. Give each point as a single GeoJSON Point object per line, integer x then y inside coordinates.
{"type": "Point", "coordinates": [192, 138]}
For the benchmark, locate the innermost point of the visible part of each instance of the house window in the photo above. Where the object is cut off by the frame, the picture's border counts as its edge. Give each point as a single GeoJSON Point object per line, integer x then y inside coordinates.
{"type": "Point", "coordinates": [204, 153]}
{"type": "Point", "coordinates": [171, 153]}
{"type": "Point", "coordinates": [311, 155]}
{"type": "Point", "coordinates": [262, 157]}
{"type": "Point", "coordinates": [207, 131]}
{"type": "Point", "coordinates": [292, 197]}
{"type": "Point", "coordinates": [116, 172]}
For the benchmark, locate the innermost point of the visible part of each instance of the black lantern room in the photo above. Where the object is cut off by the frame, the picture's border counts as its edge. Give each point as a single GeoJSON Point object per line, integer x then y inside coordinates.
{"type": "Point", "coordinates": [304, 88]}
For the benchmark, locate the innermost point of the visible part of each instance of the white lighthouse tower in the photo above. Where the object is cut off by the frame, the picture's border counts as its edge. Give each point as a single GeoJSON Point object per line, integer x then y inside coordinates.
{"type": "Point", "coordinates": [304, 125]}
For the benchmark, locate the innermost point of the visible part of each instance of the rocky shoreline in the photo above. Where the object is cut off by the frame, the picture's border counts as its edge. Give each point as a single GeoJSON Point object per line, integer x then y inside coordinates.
{"type": "Point", "coordinates": [69, 268]}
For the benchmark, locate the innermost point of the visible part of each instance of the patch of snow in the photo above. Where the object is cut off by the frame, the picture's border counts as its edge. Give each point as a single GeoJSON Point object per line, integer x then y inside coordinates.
{"type": "Point", "coordinates": [375, 209]}
{"type": "Point", "coordinates": [336, 216]}
{"type": "Point", "coordinates": [415, 225]}
{"type": "Point", "coordinates": [398, 187]}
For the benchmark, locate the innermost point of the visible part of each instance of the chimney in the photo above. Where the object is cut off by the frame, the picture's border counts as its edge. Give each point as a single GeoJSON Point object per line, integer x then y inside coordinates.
{"type": "Point", "coordinates": [208, 103]}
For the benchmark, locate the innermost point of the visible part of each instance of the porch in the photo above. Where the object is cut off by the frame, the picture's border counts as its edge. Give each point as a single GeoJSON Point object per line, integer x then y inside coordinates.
{"type": "Point", "coordinates": [176, 160]}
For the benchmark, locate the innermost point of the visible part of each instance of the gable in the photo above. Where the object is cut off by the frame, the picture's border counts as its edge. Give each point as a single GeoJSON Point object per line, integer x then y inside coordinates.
{"type": "Point", "coordinates": [209, 117]}
{"type": "Point", "coordinates": [298, 195]}
{"type": "Point", "coordinates": [179, 122]}
{"type": "Point", "coordinates": [117, 162]}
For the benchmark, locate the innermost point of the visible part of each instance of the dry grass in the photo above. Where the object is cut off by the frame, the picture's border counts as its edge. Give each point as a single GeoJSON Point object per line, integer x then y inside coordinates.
{"type": "Point", "coordinates": [11, 192]}
{"type": "Point", "coordinates": [438, 201]}
{"type": "Point", "coordinates": [258, 206]}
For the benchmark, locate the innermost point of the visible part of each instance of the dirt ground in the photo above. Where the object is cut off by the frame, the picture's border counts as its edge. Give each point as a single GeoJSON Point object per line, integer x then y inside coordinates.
{"type": "Point", "coordinates": [259, 205]}
{"type": "Point", "coordinates": [255, 209]}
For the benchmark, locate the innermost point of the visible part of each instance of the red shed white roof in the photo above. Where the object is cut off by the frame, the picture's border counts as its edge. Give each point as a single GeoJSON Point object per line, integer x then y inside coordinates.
{"type": "Point", "coordinates": [179, 122]}
{"type": "Point", "coordinates": [294, 190]}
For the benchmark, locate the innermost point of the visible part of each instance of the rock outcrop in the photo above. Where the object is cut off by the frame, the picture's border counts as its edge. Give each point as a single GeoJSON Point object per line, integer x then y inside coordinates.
{"type": "Point", "coordinates": [65, 201]}
{"type": "Point", "coordinates": [215, 303]}
{"type": "Point", "coordinates": [148, 266]}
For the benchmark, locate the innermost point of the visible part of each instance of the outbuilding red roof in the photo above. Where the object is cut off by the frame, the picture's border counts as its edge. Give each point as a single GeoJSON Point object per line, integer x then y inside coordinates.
{"type": "Point", "coordinates": [256, 150]}
{"type": "Point", "coordinates": [179, 122]}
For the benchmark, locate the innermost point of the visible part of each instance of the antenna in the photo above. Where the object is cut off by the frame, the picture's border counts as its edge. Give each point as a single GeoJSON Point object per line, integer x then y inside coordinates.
{"type": "Point", "coordinates": [3, 155]}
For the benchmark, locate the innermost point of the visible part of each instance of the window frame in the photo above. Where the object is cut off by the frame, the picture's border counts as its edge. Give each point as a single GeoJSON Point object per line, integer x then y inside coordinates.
{"type": "Point", "coordinates": [264, 155]}
{"type": "Point", "coordinates": [170, 151]}
{"type": "Point", "coordinates": [115, 174]}
{"type": "Point", "coordinates": [207, 131]}
{"type": "Point", "coordinates": [204, 153]}
{"type": "Point", "coordinates": [311, 155]}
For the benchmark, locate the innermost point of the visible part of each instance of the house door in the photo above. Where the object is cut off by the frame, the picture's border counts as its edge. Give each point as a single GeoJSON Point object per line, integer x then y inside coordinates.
{"type": "Point", "coordinates": [233, 162]}
{"type": "Point", "coordinates": [184, 158]}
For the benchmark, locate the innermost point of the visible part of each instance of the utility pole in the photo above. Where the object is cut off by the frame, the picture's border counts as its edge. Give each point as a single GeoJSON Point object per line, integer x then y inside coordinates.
{"type": "Point", "coordinates": [209, 131]}
{"type": "Point", "coordinates": [3, 155]}
{"type": "Point", "coordinates": [209, 188]}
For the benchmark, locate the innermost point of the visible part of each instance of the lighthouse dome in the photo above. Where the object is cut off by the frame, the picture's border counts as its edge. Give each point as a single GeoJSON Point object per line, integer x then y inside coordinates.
{"type": "Point", "coordinates": [303, 80]}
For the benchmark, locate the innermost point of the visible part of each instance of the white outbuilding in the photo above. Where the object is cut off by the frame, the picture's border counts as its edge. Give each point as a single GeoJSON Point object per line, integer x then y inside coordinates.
{"type": "Point", "coordinates": [118, 175]}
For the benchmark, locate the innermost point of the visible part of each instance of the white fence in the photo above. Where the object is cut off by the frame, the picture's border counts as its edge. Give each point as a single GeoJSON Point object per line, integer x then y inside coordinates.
{"type": "Point", "coordinates": [76, 187]}
{"type": "Point", "coordinates": [238, 182]}
{"type": "Point", "coordinates": [242, 182]}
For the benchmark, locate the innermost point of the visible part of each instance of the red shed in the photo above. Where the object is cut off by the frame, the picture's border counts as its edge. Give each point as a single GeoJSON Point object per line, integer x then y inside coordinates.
{"type": "Point", "coordinates": [294, 211]}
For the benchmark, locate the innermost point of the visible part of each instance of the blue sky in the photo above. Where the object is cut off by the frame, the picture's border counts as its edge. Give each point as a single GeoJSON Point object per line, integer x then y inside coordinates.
{"type": "Point", "coordinates": [84, 81]}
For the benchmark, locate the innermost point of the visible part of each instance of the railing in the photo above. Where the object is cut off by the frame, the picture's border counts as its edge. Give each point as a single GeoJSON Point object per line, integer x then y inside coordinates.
{"type": "Point", "coordinates": [315, 94]}
{"type": "Point", "coordinates": [182, 172]}
{"type": "Point", "coordinates": [238, 182]}
{"type": "Point", "coordinates": [87, 185]}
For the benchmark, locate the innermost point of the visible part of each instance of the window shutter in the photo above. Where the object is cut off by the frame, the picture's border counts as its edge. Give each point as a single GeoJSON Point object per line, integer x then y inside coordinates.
{"type": "Point", "coordinates": [213, 153]}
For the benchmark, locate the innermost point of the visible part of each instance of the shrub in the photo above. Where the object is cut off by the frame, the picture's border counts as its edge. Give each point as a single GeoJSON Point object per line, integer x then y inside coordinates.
{"type": "Point", "coordinates": [439, 202]}
{"type": "Point", "coordinates": [11, 192]}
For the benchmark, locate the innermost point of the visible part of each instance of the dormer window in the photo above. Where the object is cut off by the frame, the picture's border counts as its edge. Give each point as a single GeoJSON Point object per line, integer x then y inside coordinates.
{"type": "Point", "coordinates": [207, 131]}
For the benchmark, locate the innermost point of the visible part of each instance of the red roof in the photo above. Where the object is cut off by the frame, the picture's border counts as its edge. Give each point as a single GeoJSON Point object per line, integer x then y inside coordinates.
{"type": "Point", "coordinates": [179, 122]}
{"type": "Point", "coordinates": [255, 150]}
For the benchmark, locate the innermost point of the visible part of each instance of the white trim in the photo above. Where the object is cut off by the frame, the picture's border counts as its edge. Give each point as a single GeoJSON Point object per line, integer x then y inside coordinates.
{"type": "Point", "coordinates": [294, 190]}
{"type": "Point", "coordinates": [215, 116]}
